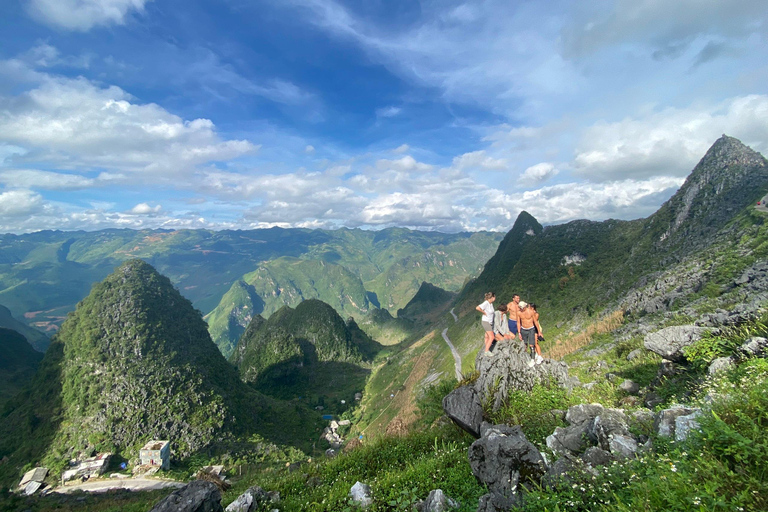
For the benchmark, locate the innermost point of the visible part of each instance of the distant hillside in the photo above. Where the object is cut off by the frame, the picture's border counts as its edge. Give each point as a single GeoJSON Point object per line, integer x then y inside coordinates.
{"type": "Point", "coordinates": [44, 275]}
{"type": "Point", "coordinates": [427, 305]}
{"type": "Point", "coordinates": [135, 362]}
{"type": "Point", "coordinates": [37, 339]}
{"type": "Point", "coordinates": [309, 350]}
{"type": "Point", "coordinates": [18, 362]}
{"type": "Point", "coordinates": [355, 273]}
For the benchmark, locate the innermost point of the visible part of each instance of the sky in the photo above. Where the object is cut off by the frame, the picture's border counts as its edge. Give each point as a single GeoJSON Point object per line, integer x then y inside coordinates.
{"type": "Point", "coordinates": [432, 115]}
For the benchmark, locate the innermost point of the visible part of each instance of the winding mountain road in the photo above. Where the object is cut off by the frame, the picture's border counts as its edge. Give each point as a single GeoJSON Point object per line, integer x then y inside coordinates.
{"type": "Point", "coordinates": [456, 356]}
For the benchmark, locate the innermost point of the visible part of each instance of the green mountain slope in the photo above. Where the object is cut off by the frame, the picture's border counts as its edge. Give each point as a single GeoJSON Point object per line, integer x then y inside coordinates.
{"type": "Point", "coordinates": [309, 351]}
{"type": "Point", "coordinates": [135, 362]}
{"type": "Point", "coordinates": [18, 362]}
{"type": "Point", "coordinates": [37, 339]}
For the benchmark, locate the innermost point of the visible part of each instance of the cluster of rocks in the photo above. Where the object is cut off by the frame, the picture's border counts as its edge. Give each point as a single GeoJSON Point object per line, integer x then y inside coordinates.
{"type": "Point", "coordinates": [205, 496]}
{"type": "Point", "coordinates": [436, 501]}
{"type": "Point", "coordinates": [507, 464]}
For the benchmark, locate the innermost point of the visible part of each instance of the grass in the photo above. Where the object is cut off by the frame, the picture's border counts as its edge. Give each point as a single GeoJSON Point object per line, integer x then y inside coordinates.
{"type": "Point", "coordinates": [574, 341]}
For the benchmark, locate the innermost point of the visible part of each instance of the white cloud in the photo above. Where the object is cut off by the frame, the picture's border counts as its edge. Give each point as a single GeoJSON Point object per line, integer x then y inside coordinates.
{"type": "Point", "coordinates": [404, 164]}
{"type": "Point", "coordinates": [78, 125]}
{"type": "Point", "coordinates": [403, 148]}
{"type": "Point", "coordinates": [390, 111]}
{"type": "Point", "coordinates": [538, 173]}
{"type": "Point", "coordinates": [667, 27]}
{"type": "Point", "coordinates": [144, 209]}
{"type": "Point", "coordinates": [20, 203]}
{"type": "Point", "coordinates": [33, 179]}
{"type": "Point", "coordinates": [309, 149]}
{"type": "Point", "coordinates": [82, 15]}
{"type": "Point", "coordinates": [478, 160]}
{"type": "Point", "coordinates": [668, 142]}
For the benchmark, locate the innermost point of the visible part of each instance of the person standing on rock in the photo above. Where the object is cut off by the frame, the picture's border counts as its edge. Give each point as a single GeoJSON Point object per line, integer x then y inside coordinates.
{"type": "Point", "coordinates": [500, 326]}
{"type": "Point", "coordinates": [527, 325]}
{"type": "Point", "coordinates": [512, 311]}
{"type": "Point", "coordinates": [539, 337]}
{"type": "Point", "coordinates": [486, 308]}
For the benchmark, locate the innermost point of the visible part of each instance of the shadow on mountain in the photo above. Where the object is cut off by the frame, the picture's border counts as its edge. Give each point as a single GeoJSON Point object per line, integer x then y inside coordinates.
{"type": "Point", "coordinates": [29, 421]}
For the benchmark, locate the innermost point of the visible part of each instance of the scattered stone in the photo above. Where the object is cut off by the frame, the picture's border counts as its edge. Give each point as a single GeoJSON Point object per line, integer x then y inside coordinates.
{"type": "Point", "coordinates": [630, 402]}
{"type": "Point", "coordinates": [609, 424]}
{"type": "Point", "coordinates": [684, 425]}
{"type": "Point", "coordinates": [558, 414]}
{"type": "Point", "coordinates": [437, 501]}
{"type": "Point", "coordinates": [611, 377]}
{"type": "Point", "coordinates": [596, 456]}
{"type": "Point", "coordinates": [719, 365]}
{"type": "Point", "coordinates": [197, 496]}
{"type": "Point", "coordinates": [630, 387]}
{"type": "Point", "coordinates": [361, 494]}
{"type": "Point", "coordinates": [558, 472]}
{"type": "Point", "coordinates": [665, 420]}
{"type": "Point", "coordinates": [567, 440]}
{"type": "Point", "coordinates": [589, 385]}
{"type": "Point", "coordinates": [651, 400]}
{"type": "Point", "coordinates": [330, 453]}
{"type": "Point", "coordinates": [753, 347]}
{"type": "Point", "coordinates": [463, 406]}
{"type": "Point", "coordinates": [670, 342]}
{"type": "Point", "coordinates": [623, 446]}
{"type": "Point", "coordinates": [581, 413]}
{"type": "Point", "coordinates": [667, 369]}
{"type": "Point", "coordinates": [634, 354]}
{"type": "Point", "coordinates": [249, 501]}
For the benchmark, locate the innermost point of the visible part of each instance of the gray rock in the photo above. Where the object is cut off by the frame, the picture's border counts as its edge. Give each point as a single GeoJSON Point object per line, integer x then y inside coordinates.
{"type": "Point", "coordinates": [508, 371]}
{"type": "Point", "coordinates": [578, 414]}
{"type": "Point", "coordinates": [462, 405]}
{"type": "Point", "coordinates": [437, 501]}
{"type": "Point", "coordinates": [558, 473]}
{"type": "Point", "coordinates": [667, 368]}
{"type": "Point", "coordinates": [630, 387]}
{"type": "Point", "coordinates": [651, 400]}
{"type": "Point", "coordinates": [596, 456]}
{"type": "Point", "coordinates": [634, 354]}
{"type": "Point", "coordinates": [753, 347]}
{"type": "Point", "coordinates": [502, 459]}
{"type": "Point", "coordinates": [720, 364]}
{"type": "Point", "coordinates": [569, 440]}
{"type": "Point", "coordinates": [330, 453]}
{"type": "Point", "coordinates": [361, 494]}
{"type": "Point", "coordinates": [664, 424]}
{"type": "Point", "coordinates": [610, 423]}
{"type": "Point", "coordinates": [249, 501]}
{"type": "Point", "coordinates": [197, 496]}
{"type": "Point", "coordinates": [670, 342]}
{"type": "Point", "coordinates": [623, 446]}
{"type": "Point", "coordinates": [589, 385]}
{"type": "Point", "coordinates": [684, 425]}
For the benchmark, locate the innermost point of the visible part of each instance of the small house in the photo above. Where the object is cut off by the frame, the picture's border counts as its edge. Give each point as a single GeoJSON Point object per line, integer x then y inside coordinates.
{"type": "Point", "coordinates": [157, 454]}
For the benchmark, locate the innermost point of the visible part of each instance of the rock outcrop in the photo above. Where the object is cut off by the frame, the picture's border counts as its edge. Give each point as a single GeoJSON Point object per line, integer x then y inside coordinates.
{"type": "Point", "coordinates": [508, 370]}
{"type": "Point", "coordinates": [197, 496]}
{"type": "Point", "coordinates": [670, 342]}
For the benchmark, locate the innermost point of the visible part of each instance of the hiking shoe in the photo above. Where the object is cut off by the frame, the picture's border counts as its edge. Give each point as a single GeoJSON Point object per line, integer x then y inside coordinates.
{"type": "Point", "coordinates": [539, 359]}
{"type": "Point", "coordinates": [488, 353]}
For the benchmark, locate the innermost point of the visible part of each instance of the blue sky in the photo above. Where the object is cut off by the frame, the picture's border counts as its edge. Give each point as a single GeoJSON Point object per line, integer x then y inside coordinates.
{"type": "Point", "coordinates": [325, 113]}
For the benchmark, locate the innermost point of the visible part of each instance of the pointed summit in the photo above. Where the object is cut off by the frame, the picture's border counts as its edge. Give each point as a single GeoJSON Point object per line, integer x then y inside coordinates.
{"type": "Point", "coordinates": [726, 180]}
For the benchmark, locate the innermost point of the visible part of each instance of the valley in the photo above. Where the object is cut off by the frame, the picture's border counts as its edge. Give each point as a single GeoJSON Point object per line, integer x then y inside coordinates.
{"type": "Point", "coordinates": [374, 329]}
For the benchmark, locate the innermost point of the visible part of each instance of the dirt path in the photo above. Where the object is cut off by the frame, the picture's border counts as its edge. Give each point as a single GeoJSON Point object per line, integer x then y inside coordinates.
{"type": "Point", "coordinates": [456, 356]}
{"type": "Point", "coordinates": [132, 484]}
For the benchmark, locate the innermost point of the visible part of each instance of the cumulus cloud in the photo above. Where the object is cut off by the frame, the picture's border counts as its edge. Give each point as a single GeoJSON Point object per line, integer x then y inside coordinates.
{"type": "Point", "coordinates": [79, 125]}
{"type": "Point", "coordinates": [144, 209]}
{"type": "Point", "coordinates": [668, 142]}
{"type": "Point", "coordinates": [478, 160]}
{"type": "Point", "coordinates": [403, 148]}
{"type": "Point", "coordinates": [538, 173]}
{"type": "Point", "coordinates": [82, 15]}
{"type": "Point", "coordinates": [309, 149]}
{"type": "Point", "coordinates": [404, 164]}
{"type": "Point", "coordinates": [20, 203]}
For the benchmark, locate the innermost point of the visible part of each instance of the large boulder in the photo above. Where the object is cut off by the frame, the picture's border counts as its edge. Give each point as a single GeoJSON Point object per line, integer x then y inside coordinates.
{"type": "Point", "coordinates": [197, 496]}
{"type": "Point", "coordinates": [252, 499]}
{"type": "Point", "coordinates": [503, 459]}
{"type": "Point", "coordinates": [753, 347]}
{"type": "Point", "coordinates": [568, 440]}
{"type": "Point", "coordinates": [607, 425]}
{"type": "Point", "coordinates": [361, 494]}
{"type": "Point", "coordinates": [463, 406]}
{"type": "Point", "coordinates": [670, 342]}
{"type": "Point", "coordinates": [508, 370]}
